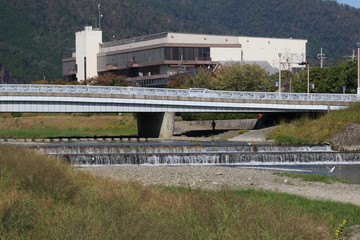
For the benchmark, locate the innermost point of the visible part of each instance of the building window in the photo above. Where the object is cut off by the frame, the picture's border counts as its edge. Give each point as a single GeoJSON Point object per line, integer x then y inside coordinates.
{"type": "Point", "coordinates": [156, 55]}
{"type": "Point", "coordinates": [187, 53]}
{"type": "Point", "coordinates": [144, 56]}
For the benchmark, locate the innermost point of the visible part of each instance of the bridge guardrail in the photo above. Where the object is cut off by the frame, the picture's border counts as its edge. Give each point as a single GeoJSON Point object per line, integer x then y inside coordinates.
{"type": "Point", "coordinates": [199, 93]}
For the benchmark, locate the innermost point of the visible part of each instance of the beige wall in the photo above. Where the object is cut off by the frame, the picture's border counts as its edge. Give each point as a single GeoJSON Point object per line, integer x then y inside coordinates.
{"type": "Point", "coordinates": [87, 45]}
{"type": "Point", "coordinates": [267, 49]}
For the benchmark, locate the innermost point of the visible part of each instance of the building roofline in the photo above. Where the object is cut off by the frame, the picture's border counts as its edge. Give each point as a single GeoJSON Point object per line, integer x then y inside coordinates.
{"type": "Point", "coordinates": [165, 34]}
{"type": "Point", "coordinates": [219, 35]}
{"type": "Point", "coordinates": [135, 39]}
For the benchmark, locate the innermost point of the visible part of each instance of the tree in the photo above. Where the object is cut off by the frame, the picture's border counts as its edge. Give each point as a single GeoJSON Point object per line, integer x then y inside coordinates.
{"type": "Point", "coordinates": [107, 80]}
{"type": "Point", "coordinates": [231, 77]}
{"type": "Point", "coordinates": [202, 79]}
{"type": "Point", "coordinates": [329, 80]}
{"type": "Point", "coordinates": [241, 77]}
{"type": "Point", "coordinates": [178, 80]}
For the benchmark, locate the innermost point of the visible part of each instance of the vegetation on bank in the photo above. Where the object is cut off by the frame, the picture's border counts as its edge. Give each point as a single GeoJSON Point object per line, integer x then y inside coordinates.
{"type": "Point", "coordinates": [307, 131]}
{"type": "Point", "coordinates": [313, 177]}
{"type": "Point", "coordinates": [42, 198]}
{"type": "Point", "coordinates": [66, 125]}
{"type": "Point", "coordinates": [251, 77]}
{"type": "Point", "coordinates": [233, 76]}
{"type": "Point", "coordinates": [328, 80]}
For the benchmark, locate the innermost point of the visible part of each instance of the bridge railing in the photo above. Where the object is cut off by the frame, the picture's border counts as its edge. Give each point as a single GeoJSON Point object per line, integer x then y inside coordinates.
{"type": "Point", "coordinates": [192, 92]}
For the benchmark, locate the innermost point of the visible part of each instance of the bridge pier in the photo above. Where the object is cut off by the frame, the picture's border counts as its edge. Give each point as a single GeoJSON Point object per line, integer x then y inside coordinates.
{"type": "Point", "coordinates": [156, 125]}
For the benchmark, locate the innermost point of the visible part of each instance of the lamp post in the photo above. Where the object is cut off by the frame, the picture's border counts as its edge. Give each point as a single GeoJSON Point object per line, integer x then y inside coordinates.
{"type": "Point", "coordinates": [279, 54]}
{"type": "Point", "coordinates": [307, 64]}
{"type": "Point", "coordinates": [308, 79]}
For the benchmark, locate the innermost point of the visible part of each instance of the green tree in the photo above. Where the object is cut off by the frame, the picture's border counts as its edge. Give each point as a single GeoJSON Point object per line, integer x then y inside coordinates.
{"type": "Point", "coordinates": [329, 80]}
{"type": "Point", "coordinates": [241, 77]}
{"type": "Point", "coordinates": [107, 80]}
{"type": "Point", "coordinates": [202, 79]}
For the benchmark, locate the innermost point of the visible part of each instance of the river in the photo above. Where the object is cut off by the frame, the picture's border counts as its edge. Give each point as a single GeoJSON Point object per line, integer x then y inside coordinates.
{"type": "Point", "coordinates": [312, 159]}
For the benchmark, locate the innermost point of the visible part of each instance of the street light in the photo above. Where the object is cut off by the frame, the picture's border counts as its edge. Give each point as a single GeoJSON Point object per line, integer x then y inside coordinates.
{"type": "Point", "coordinates": [279, 54]}
{"type": "Point", "coordinates": [307, 64]}
{"type": "Point", "coordinates": [308, 79]}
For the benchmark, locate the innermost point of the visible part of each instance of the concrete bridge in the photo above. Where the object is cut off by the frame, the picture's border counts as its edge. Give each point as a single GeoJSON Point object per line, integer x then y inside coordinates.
{"type": "Point", "coordinates": [156, 107]}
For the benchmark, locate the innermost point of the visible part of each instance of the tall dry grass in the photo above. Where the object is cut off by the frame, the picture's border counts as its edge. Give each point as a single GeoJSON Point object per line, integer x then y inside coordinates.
{"type": "Point", "coordinates": [53, 125]}
{"type": "Point", "coordinates": [305, 130]}
{"type": "Point", "coordinates": [42, 198]}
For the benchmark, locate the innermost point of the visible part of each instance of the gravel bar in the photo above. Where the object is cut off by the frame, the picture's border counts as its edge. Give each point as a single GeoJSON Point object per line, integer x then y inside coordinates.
{"type": "Point", "coordinates": [215, 178]}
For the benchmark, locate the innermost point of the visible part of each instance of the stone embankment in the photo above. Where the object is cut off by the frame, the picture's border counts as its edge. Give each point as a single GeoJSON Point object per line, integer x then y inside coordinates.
{"type": "Point", "coordinates": [348, 139]}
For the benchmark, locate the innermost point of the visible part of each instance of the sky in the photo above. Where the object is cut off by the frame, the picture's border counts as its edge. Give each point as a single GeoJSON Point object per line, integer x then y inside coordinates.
{"type": "Point", "coordinates": [354, 3]}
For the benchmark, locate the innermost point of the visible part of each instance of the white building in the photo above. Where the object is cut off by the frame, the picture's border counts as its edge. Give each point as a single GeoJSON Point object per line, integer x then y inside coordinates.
{"type": "Point", "coordinates": [151, 60]}
{"type": "Point", "coordinates": [87, 48]}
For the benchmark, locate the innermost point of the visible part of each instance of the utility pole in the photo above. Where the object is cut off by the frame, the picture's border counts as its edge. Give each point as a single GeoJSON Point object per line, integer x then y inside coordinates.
{"type": "Point", "coordinates": [321, 56]}
{"type": "Point", "coordinates": [279, 54]}
{"type": "Point", "coordinates": [353, 55]}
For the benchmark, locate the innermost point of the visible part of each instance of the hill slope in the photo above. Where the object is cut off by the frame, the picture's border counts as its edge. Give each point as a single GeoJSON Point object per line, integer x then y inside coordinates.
{"type": "Point", "coordinates": [34, 35]}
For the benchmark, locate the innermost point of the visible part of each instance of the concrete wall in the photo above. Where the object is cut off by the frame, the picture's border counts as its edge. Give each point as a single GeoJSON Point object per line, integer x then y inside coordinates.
{"type": "Point", "coordinates": [171, 38]}
{"type": "Point", "coordinates": [154, 125]}
{"type": "Point", "coordinates": [266, 50]}
{"type": "Point", "coordinates": [201, 39]}
{"type": "Point", "coordinates": [226, 54]}
{"type": "Point", "coordinates": [227, 124]}
{"type": "Point", "coordinates": [87, 46]}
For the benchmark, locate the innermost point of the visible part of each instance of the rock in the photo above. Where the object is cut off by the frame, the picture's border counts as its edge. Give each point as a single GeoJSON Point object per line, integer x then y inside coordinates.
{"type": "Point", "coordinates": [348, 139]}
{"type": "Point", "coordinates": [352, 233]}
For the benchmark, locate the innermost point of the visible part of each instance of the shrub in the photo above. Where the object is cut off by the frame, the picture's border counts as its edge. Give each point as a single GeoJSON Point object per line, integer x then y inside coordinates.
{"type": "Point", "coordinates": [16, 115]}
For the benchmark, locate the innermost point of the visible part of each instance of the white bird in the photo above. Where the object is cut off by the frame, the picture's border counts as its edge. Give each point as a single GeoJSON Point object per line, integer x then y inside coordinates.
{"type": "Point", "coordinates": [332, 169]}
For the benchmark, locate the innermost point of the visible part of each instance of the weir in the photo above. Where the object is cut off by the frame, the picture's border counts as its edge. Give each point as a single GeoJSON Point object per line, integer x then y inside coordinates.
{"type": "Point", "coordinates": [200, 153]}
{"type": "Point", "coordinates": [219, 158]}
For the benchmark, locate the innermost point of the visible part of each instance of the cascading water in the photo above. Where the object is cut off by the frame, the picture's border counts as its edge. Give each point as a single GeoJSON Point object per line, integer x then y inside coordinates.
{"type": "Point", "coordinates": [212, 153]}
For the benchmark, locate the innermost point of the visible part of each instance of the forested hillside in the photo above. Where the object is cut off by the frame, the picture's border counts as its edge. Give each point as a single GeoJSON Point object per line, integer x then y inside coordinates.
{"type": "Point", "coordinates": [36, 34]}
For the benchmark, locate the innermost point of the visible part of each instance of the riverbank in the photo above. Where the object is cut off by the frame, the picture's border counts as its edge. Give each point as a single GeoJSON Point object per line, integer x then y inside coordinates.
{"type": "Point", "coordinates": [45, 199]}
{"type": "Point", "coordinates": [214, 177]}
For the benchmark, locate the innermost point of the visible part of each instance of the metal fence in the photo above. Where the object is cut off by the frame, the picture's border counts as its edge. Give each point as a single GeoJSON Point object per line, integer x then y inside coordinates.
{"type": "Point", "coordinates": [192, 92]}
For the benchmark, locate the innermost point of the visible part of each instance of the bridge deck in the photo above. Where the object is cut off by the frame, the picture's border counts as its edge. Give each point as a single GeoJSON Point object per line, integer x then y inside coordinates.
{"type": "Point", "coordinates": [69, 98]}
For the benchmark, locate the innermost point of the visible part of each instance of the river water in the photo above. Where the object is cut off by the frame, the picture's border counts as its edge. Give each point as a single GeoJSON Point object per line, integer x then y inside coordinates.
{"type": "Point", "coordinates": [312, 159]}
{"type": "Point", "coordinates": [349, 172]}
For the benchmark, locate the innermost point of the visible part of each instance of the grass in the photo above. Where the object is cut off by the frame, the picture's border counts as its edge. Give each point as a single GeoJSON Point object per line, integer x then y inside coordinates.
{"type": "Point", "coordinates": [306, 131]}
{"type": "Point", "coordinates": [66, 125]}
{"type": "Point", "coordinates": [42, 198]}
{"type": "Point", "coordinates": [55, 132]}
{"type": "Point", "coordinates": [242, 131]}
{"type": "Point", "coordinates": [313, 177]}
